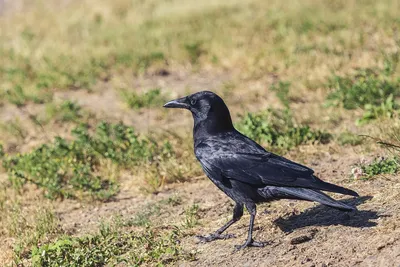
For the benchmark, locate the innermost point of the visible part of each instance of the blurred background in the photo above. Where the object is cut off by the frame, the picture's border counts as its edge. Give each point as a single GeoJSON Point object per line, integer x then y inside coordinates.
{"type": "Point", "coordinates": [95, 171]}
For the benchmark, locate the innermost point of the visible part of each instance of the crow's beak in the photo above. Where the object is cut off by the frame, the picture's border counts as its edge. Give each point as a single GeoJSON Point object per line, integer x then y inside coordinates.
{"type": "Point", "coordinates": [177, 103]}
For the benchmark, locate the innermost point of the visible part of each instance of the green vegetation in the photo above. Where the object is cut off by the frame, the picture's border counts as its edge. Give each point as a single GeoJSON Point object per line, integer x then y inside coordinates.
{"type": "Point", "coordinates": [72, 168]}
{"type": "Point", "coordinates": [15, 128]}
{"type": "Point", "coordinates": [29, 231]}
{"type": "Point", "coordinates": [149, 99]}
{"type": "Point", "coordinates": [348, 138]}
{"type": "Point", "coordinates": [373, 91]}
{"type": "Point", "coordinates": [112, 246]}
{"type": "Point", "coordinates": [81, 46]}
{"type": "Point", "coordinates": [381, 166]}
{"type": "Point", "coordinates": [77, 169]}
{"type": "Point", "coordinates": [142, 218]}
{"type": "Point", "coordinates": [282, 92]}
{"type": "Point", "coordinates": [278, 130]}
{"type": "Point", "coordinates": [191, 216]}
{"type": "Point", "coordinates": [64, 112]}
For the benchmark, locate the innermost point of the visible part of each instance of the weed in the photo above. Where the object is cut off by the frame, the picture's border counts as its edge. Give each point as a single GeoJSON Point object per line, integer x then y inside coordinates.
{"type": "Point", "coordinates": [69, 168]}
{"type": "Point", "coordinates": [348, 138]}
{"type": "Point", "coordinates": [2, 153]}
{"type": "Point", "coordinates": [112, 246]}
{"type": "Point", "coordinates": [15, 128]}
{"type": "Point", "coordinates": [30, 231]}
{"type": "Point", "coordinates": [64, 112]}
{"type": "Point", "coordinates": [19, 97]}
{"type": "Point", "coordinates": [191, 216]}
{"type": "Point", "coordinates": [380, 166]}
{"type": "Point", "coordinates": [194, 51]}
{"type": "Point", "coordinates": [142, 218]}
{"type": "Point", "coordinates": [369, 90]}
{"type": "Point", "coordinates": [149, 99]}
{"type": "Point", "coordinates": [277, 129]}
{"type": "Point", "coordinates": [282, 92]}
{"type": "Point", "coordinates": [387, 109]}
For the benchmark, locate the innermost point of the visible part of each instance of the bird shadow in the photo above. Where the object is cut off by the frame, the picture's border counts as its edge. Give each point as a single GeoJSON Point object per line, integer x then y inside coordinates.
{"type": "Point", "coordinates": [324, 216]}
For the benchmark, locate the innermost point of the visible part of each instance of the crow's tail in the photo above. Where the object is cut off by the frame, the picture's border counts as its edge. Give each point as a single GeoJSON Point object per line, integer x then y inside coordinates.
{"type": "Point", "coordinates": [304, 194]}
{"type": "Point", "coordinates": [324, 186]}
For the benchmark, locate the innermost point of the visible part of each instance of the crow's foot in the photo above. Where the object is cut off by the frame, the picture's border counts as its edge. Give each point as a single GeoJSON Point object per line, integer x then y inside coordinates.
{"type": "Point", "coordinates": [213, 237]}
{"type": "Point", "coordinates": [252, 243]}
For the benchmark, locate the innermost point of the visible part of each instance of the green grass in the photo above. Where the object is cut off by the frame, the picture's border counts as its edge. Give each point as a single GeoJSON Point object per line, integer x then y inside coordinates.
{"type": "Point", "coordinates": [28, 231]}
{"type": "Point", "coordinates": [277, 130]}
{"type": "Point", "coordinates": [381, 166]}
{"type": "Point", "coordinates": [73, 168]}
{"type": "Point", "coordinates": [373, 91]}
{"type": "Point", "coordinates": [191, 216]}
{"type": "Point", "coordinates": [81, 46]}
{"type": "Point", "coordinates": [66, 111]}
{"type": "Point", "coordinates": [112, 246]}
{"type": "Point", "coordinates": [348, 138]}
{"type": "Point", "coordinates": [282, 92]}
{"type": "Point", "coordinates": [77, 168]}
{"type": "Point", "coordinates": [152, 98]}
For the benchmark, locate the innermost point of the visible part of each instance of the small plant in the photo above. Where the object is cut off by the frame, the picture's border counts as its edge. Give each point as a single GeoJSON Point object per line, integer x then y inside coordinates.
{"type": "Point", "coordinates": [370, 90]}
{"type": "Point", "coordinates": [142, 218]}
{"type": "Point", "coordinates": [2, 153]}
{"type": "Point", "coordinates": [282, 92]}
{"type": "Point", "coordinates": [387, 109]}
{"type": "Point", "coordinates": [64, 112]}
{"type": "Point", "coordinates": [30, 231]}
{"type": "Point", "coordinates": [71, 168]}
{"type": "Point", "coordinates": [348, 138]}
{"type": "Point", "coordinates": [194, 51]}
{"type": "Point", "coordinates": [191, 216]}
{"type": "Point", "coordinates": [111, 246]}
{"type": "Point", "coordinates": [148, 99]}
{"type": "Point", "coordinates": [19, 97]}
{"type": "Point", "coordinates": [380, 166]}
{"type": "Point", "coordinates": [15, 128]}
{"type": "Point", "coordinates": [278, 130]}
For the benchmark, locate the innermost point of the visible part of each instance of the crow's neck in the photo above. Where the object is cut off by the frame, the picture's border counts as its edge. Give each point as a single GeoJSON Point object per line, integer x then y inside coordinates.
{"type": "Point", "coordinates": [210, 127]}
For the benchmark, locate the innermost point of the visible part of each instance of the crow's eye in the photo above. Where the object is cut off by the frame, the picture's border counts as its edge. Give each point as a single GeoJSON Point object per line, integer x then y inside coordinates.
{"type": "Point", "coordinates": [193, 101]}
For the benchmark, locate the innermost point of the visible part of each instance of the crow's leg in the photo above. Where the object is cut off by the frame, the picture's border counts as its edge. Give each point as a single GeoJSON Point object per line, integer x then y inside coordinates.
{"type": "Point", "coordinates": [237, 214]}
{"type": "Point", "coordinates": [251, 207]}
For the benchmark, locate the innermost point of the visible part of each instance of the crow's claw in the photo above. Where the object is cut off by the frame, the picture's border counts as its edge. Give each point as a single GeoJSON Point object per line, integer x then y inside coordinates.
{"type": "Point", "coordinates": [252, 243]}
{"type": "Point", "coordinates": [212, 237]}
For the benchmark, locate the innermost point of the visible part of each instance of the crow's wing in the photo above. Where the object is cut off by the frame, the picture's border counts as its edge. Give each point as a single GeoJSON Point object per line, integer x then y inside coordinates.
{"type": "Point", "coordinates": [258, 169]}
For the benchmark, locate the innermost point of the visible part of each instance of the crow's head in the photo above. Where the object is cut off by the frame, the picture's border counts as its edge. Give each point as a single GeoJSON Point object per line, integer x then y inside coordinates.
{"type": "Point", "coordinates": [207, 108]}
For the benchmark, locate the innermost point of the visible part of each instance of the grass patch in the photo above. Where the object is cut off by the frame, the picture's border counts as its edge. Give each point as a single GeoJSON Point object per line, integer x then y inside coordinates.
{"type": "Point", "coordinates": [380, 166]}
{"type": "Point", "coordinates": [277, 130]}
{"type": "Point", "coordinates": [77, 168]}
{"type": "Point", "coordinates": [282, 92]}
{"type": "Point", "coordinates": [78, 45]}
{"type": "Point", "coordinates": [67, 111]}
{"type": "Point", "coordinates": [373, 91]}
{"type": "Point", "coordinates": [348, 138]}
{"type": "Point", "coordinates": [27, 226]}
{"type": "Point", "coordinates": [152, 98]}
{"type": "Point", "coordinates": [71, 168]}
{"type": "Point", "coordinates": [191, 216]}
{"type": "Point", "coordinates": [112, 246]}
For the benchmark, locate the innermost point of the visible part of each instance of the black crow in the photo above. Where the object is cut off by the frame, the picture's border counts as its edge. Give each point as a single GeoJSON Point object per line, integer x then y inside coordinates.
{"type": "Point", "coordinates": [244, 170]}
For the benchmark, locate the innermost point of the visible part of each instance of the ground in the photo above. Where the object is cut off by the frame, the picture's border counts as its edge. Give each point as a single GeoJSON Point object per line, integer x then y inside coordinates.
{"type": "Point", "coordinates": [104, 56]}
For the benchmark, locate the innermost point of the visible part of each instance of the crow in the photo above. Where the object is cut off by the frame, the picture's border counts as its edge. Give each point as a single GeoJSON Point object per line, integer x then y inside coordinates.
{"type": "Point", "coordinates": [244, 170]}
